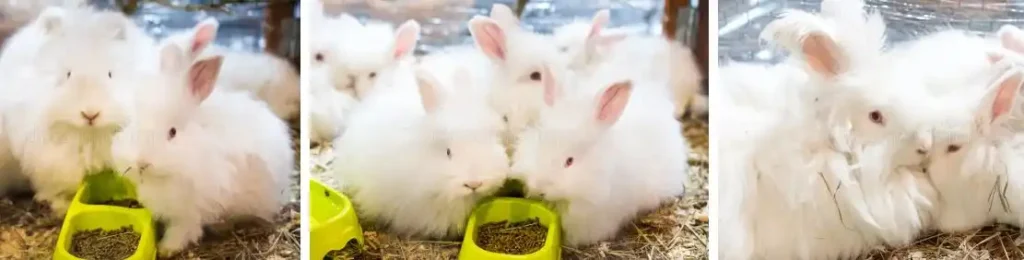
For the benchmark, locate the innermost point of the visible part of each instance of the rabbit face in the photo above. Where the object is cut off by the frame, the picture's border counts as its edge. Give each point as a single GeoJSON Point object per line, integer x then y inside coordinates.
{"type": "Point", "coordinates": [466, 142]}
{"type": "Point", "coordinates": [555, 162]}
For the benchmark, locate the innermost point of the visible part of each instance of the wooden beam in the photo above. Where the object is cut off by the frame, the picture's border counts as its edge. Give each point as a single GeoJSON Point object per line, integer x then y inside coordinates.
{"type": "Point", "coordinates": [702, 36]}
{"type": "Point", "coordinates": [273, 34]}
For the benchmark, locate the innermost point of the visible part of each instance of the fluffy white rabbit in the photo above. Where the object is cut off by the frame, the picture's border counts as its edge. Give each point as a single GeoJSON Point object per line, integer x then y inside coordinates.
{"type": "Point", "coordinates": [190, 147]}
{"type": "Point", "coordinates": [360, 65]}
{"type": "Point", "coordinates": [602, 155]}
{"type": "Point", "coordinates": [329, 108]}
{"type": "Point", "coordinates": [517, 56]}
{"type": "Point", "coordinates": [804, 197]}
{"type": "Point", "coordinates": [586, 47]}
{"type": "Point", "coordinates": [420, 155]}
{"type": "Point", "coordinates": [20, 49]}
{"type": "Point", "coordinates": [264, 75]}
{"type": "Point", "coordinates": [80, 96]}
{"type": "Point", "coordinates": [330, 102]}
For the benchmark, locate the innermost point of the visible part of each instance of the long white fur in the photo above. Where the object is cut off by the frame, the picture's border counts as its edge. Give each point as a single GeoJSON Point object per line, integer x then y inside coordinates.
{"type": "Point", "coordinates": [392, 160]}
{"type": "Point", "coordinates": [619, 170]}
{"type": "Point", "coordinates": [332, 99]}
{"type": "Point", "coordinates": [804, 197]}
{"type": "Point", "coordinates": [230, 156]}
{"type": "Point", "coordinates": [81, 67]}
{"type": "Point", "coordinates": [516, 96]}
{"type": "Point", "coordinates": [264, 75]}
{"type": "Point", "coordinates": [645, 55]}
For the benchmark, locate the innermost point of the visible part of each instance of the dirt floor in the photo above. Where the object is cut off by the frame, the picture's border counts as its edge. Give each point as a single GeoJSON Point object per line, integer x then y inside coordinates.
{"type": "Point", "coordinates": [28, 232]}
{"type": "Point", "coordinates": [678, 230]}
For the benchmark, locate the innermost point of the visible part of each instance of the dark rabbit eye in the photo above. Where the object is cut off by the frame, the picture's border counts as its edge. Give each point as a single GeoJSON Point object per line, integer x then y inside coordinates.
{"type": "Point", "coordinates": [373, 75]}
{"type": "Point", "coordinates": [921, 151]}
{"type": "Point", "coordinates": [173, 132]}
{"type": "Point", "coordinates": [568, 162]}
{"type": "Point", "coordinates": [449, 151]}
{"type": "Point", "coordinates": [319, 57]}
{"type": "Point", "coordinates": [110, 74]}
{"type": "Point", "coordinates": [535, 76]}
{"type": "Point", "coordinates": [953, 148]}
{"type": "Point", "coordinates": [68, 75]}
{"type": "Point", "coordinates": [877, 117]}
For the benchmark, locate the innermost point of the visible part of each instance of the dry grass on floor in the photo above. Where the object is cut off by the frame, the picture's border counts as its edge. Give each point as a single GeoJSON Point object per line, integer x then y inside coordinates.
{"type": "Point", "coordinates": [678, 230]}
{"type": "Point", "coordinates": [992, 242]}
{"type": "Point", "coordinates": [27, 231]}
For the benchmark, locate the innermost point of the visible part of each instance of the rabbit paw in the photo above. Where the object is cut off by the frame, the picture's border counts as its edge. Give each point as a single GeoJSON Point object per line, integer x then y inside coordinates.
{"type": "Point", "coordinates": [177, 237]}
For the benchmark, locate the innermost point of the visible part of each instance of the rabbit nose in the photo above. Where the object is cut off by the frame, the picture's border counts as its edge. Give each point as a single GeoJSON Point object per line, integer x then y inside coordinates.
{"type": "Point", "coordinates": [473, 185]}
{"type": "Point", "coordinates": [90, 117]}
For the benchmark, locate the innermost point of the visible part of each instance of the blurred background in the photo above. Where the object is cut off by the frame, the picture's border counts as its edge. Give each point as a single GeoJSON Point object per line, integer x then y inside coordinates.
{"type": "Point", "coordinates": [740, 21]}
{"type": "Point", "coordinates": [244, 24]}
{"type": "Point", "coordinates": [444, 21]}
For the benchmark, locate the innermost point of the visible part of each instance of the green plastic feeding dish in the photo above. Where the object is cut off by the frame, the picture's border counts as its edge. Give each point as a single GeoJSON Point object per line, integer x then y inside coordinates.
{"type": "Point", "coordinates": [512, 210]}
{"type": "Point", "coordinates": [333, 222]}
{"type": "Point", "coordinates": [86, 213]}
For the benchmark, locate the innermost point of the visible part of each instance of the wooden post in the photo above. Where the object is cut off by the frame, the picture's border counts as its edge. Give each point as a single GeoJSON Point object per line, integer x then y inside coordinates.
{"type": "Point", "coordinates": [670, 19]}
{"type": "Point", "coordinates": [702, 36]}
{"type": "Point", "coordinates": [277, 11]}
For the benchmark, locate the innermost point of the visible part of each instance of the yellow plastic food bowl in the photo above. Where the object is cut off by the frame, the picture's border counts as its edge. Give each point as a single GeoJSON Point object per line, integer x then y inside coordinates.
{"type": "Point", "coordinates": [512, 210]}
{"type": "Point", "coordinates": [85, 213]}
{"type": "Point", "coordinates": [333, 222]}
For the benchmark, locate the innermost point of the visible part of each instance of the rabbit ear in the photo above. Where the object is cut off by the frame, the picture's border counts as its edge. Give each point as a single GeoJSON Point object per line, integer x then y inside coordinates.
{"type": "Point", "coordinates": [613, 102]}
{"type": "Point", "coordinates": [203, 76]}
{"type": "Point", "coordinates": [405, 39]}
{"type": "Point", "coordinates": [172, 59]}
{"type": "Point", "coordinates": [51, 19]}
{"type": "Point", "coordinates": [428, 87]}
{"type": "Point", "coordinates": [1011, 38]}
{"type": "Point", "coordinates": [599, 22]}
{"type": "Point", "coordinates": [489, 37]}
{"type": "Point", "coordinates": [550, 86]}
{"type": "Point", "coordinates": [822, 54]}
{"type": "Point", "coordinates": [203, 35]}
{"type": "Point", "coordinates": [1002, 98]}
{"type": "Point", "coordinates": [504, 15]}
{"type": "Point", "coordinates": [995, 57]}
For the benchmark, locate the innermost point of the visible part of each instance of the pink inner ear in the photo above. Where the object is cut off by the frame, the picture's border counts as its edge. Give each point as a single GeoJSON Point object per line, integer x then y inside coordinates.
{"type": "Point", "coordinates": [204, 35]}
{"type": "Point", "coordinates": [613, 102]}
{"type": "Point", "coordinates": [600, 19]}
{"type": "Point", "coordinates": [548, 81]}
{"type": "Point", "coordinates": [490, 38]}
{"type": "Point", "coordinates": [203, 76]}
{"type": "Point", "coordinates": [1010, 40]}
{"type": "Point", "coordinates": [994, 57]}
{"type": "Point", "coordinates": [820, 53]}
{"type": "Point", "coordinates": [406, 38]}
{"type": "Point", "coordinates": [428, 91]}
{"type": "Point", "coordinates": [1006, 95]}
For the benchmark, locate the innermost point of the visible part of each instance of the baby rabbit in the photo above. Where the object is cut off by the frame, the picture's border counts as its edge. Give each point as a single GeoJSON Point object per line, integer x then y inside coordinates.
{"type": "Point", "coordinates": [790, 205]}
{"type": "Point", "coordinates": [517, 56]}
{"type": "Point", "coordinates": [419, 156]}
{"type": "Point", "coordinates": [358, 66]}
{"type": "Point", "coordinates": [76, 97]}
{"type": "Point", "coordinates": [330, 101]}
{"type": "Point", "coordinates": [264, 75]}
{"type": "Point", "coordinates": [602, 159]}
{"type": "Point", "coordinates": [199, 156]}
{"type": "Point", "coordinates": [644, 55]}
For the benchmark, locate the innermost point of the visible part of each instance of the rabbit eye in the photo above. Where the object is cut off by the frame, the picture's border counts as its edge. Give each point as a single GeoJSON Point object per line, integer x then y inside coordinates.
{"type": "Point", "coordinates": [68, 75]}
{"type": "Point", "coordinates": [373, 75]}
{"type": "Point", "coordinates": [319, 57]}
{"type": "Point", "coordinates": [449, 151]}
{"type": "Point", "coordinates": [877, 117]}
{"type": "Point", "coordinates": [110, 74]}
{"type": "Point", "coordinates": [953, 148]}
{"type": "Point", "coordinates": [563, 49]}
{"type": "Point", "coordinates": [173, 132]}
{"type": "Point", "coordinates": [535, 76]}
{"type": "Point", "coordinates": [568, 162]}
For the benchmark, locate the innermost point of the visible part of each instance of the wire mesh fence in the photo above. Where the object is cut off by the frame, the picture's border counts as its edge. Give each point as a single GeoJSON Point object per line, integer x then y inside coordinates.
{"type": "Point", "coordinates": [740, 21]}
